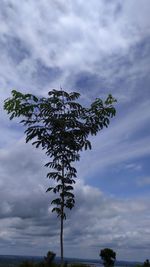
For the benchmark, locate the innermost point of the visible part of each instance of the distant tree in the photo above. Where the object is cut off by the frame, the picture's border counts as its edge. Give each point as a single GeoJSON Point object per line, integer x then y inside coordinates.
{"type": "Point", "coordinates": [61, 126]}
{"type": "Point", "coordinates": [108, 256]}
{"type": "Point", "coordinates": [146, 263]}
{"type": "Point", "coordinates": [49, 257]}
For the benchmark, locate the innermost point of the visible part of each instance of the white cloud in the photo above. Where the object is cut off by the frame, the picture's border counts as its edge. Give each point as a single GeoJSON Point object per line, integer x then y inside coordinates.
{"type": "Point", "coordinates": [59, 33]}
{"type": "Point", "coordinates": [107, 42]}
{"type": "Point", "coordinates": [143, 181]}
{"type": "Point", "coordinates": [138, 14]}
{"type": "Point", "coordinates": [133, 166]}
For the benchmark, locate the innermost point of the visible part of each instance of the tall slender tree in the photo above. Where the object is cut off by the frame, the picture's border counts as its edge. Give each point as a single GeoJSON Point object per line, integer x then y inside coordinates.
{"type": "Point", "coordinates": [60, 125]}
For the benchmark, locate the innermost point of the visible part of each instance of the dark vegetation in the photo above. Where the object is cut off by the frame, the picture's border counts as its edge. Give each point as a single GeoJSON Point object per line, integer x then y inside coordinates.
{"type": "Point", "coordinates": [145, 264]}
{"type": "Point", "coordinates": [51, 261]}
{"type": "Point", "coordinates": [47, 261]}
{"type": "Point", "coordinates": [108, 257]}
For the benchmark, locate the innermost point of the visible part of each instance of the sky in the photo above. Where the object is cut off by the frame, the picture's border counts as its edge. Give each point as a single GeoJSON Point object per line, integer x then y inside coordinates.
{"type": "Point", "coordinates": [95, 47]}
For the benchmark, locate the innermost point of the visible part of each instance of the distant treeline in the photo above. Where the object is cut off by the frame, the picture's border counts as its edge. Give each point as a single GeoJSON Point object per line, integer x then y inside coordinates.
{"type": "Point", "coordinates": [15, 261]}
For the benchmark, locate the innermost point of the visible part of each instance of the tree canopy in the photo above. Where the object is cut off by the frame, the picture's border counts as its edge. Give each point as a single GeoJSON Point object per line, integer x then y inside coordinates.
{"type": "Point", "coordinates": [61, 126]}
{"type": "Point", "coordinates": [108, 256]}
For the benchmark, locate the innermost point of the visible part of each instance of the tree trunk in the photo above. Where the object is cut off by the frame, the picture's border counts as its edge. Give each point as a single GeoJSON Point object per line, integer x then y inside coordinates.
{"type": "Point", "coordinates": [62, 222]}
{"type": "Point", "coordinates": [61, 240]}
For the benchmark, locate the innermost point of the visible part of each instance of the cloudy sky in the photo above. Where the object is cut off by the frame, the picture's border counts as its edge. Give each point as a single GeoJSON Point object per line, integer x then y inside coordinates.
{"type": "Point", "coordinates": [94, 48]}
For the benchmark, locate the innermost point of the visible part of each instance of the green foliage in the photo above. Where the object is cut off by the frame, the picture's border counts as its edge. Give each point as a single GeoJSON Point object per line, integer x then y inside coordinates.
{"type": "Point", "coordinates": [108, 256]}
{"type": "Point", "coordinates": [61, 126]}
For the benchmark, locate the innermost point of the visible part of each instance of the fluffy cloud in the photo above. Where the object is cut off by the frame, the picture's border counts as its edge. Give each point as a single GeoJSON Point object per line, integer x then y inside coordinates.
{"type": "Point", "coordinates": [94, 48]}
{"type": "Point", "coordinates": [64, 35]}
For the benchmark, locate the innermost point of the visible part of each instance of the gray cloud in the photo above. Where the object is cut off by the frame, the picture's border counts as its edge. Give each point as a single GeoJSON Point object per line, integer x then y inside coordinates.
{"type": "Point", "coordinates": [97, 48]}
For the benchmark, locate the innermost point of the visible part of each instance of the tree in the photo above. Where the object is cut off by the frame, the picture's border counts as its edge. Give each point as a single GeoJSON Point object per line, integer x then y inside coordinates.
{"type": "Point", "coordinates": [49, 258]}
{"type": "Point", "coordinates": [108, 256]}
{"type": "Point", "coordinates": [60, 125]}
{"type": "Point", "coordinates": [146, 263]}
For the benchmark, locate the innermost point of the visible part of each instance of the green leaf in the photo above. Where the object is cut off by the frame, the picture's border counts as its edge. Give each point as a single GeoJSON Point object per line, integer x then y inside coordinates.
{"type": "Point", "coordinates": [56, 201]}
{"type": "Point", "coordinates": [49, 189]}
